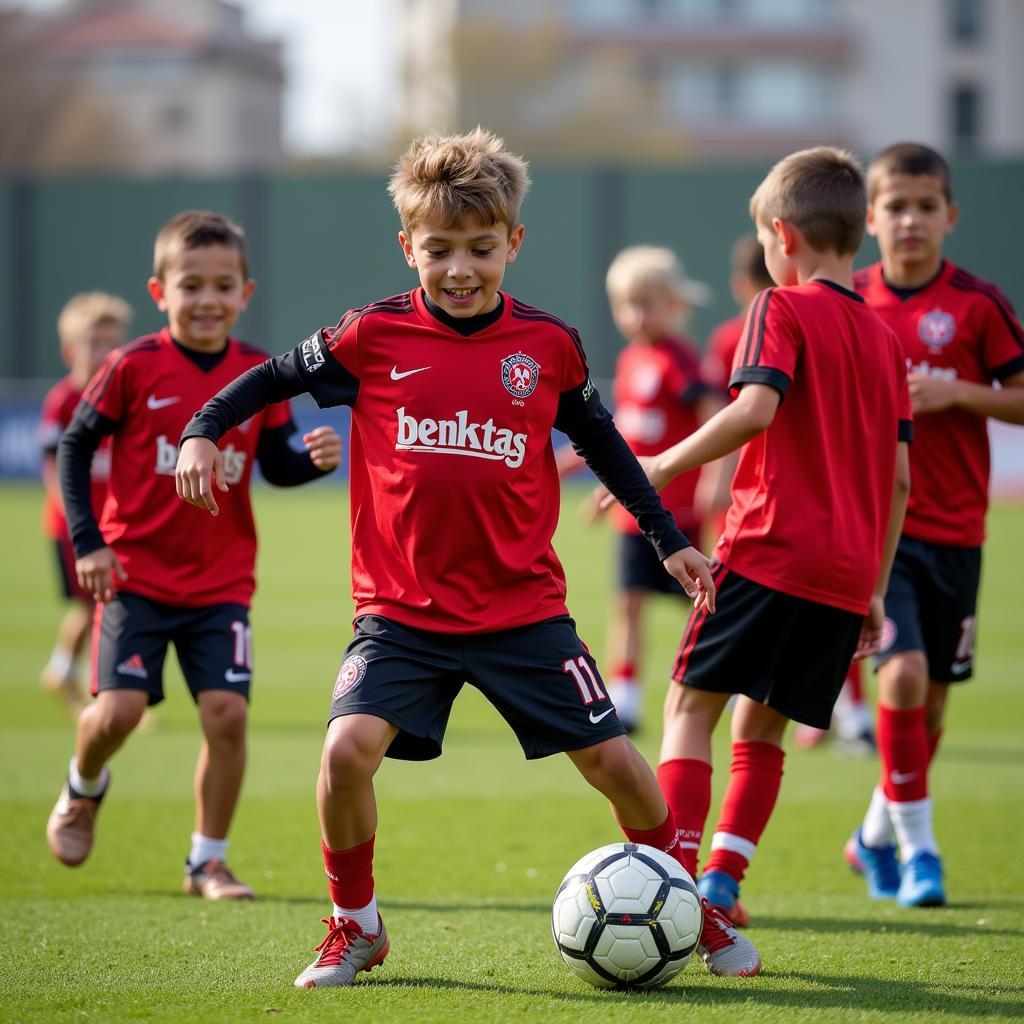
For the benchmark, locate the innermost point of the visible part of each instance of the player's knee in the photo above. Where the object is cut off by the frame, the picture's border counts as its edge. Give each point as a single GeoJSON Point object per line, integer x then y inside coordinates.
{"type": "Point", "coordinates": [614, 761]}
{"type": "Point", "coordinates": [903, 681]}
{"type": "Point", "coordinates": [224, 718]}
{"type": "Point", "coordinates": [118, 715]}
{"type": "Point", "coordinates": [346, 763]}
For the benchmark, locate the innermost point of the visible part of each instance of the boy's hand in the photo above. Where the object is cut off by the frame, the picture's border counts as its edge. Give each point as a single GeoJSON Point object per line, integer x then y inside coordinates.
{"type": "Point", "coordinates": [693, 570]}
{"type": "Point", "coordinates": [96, 572]}
{"type": "Point", "coordinates": [931, 394]}
{"type": "Point", "coordinates": [870, 641]}
{"type": "Point", "coordinates": [324, 447]}
{"type": "Point", "coordinates": [199, 463]}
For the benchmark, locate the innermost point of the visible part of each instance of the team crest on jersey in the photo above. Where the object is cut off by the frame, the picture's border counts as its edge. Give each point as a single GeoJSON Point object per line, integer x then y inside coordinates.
{"type": "Point", "coordinates": [519, 374]}
{"type": "Point", "coordinates": [353, 668]}
{"type": "Point", "coordinates": [889, 632]}
{"type": "Point", "coordinates": [936, 329]}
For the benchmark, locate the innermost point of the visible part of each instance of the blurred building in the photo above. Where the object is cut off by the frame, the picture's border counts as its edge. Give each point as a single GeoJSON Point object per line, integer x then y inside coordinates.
{"type": "Point", "coordinates": [706, 80]}
{"type": "Point", "coordinates": [150, 86]}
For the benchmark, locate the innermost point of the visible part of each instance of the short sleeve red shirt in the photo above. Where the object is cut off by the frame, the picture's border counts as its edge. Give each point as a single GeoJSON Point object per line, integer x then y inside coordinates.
{"type": "Point", "coordinates": [812, 494]}
{"type": "Point", "coordinates": [654, 390]}
{"type": "Point", "coordinates": [957, 327]}
{"type": "Point", "coordinates": [454, 490]}
{"type": "Point", "coordinates": [58, 407]}
{"type": "Point", "coordinates": [721, 349]}
{"type": "Point", "coordinates": [171, 551]}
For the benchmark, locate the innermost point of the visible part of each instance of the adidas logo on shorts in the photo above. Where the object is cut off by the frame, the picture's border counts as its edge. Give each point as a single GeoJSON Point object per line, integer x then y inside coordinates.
{"type": "Point", "coordinates": [133, 666]}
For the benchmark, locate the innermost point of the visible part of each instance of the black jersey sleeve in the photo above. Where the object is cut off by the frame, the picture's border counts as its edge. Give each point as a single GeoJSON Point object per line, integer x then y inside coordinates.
{"type": "Point", "coordinates": [594, 436]}
{"type": "Point", "coordinates": [308, 369]}
{"type": "Point", "coordinates": [281, 463]}
{"type": "Point", "coordinates": [79, 441]}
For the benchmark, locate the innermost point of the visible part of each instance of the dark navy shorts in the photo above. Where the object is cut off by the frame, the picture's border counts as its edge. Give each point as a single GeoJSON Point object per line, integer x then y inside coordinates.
{"type": "Point", "coordinates": [540, 677]}
{"type": "Point", "coordinates": [639, 567]}
{"type": "Point", "coordinates": [787, 652]}
{"type": "Point", "coordinates": [131, 634]}
{"type": "Point", "coordinates": [931, 606]}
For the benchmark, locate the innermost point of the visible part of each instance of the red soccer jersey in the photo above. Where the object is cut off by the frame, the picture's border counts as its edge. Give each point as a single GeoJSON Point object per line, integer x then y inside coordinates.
{"type": "Point", "coordinates": [654, 390]}
{"type": "Point", "coordinates": [956, 327]}
{"type": "Point", "coordinates": [173, 552]}
{"type": "Point", "coordinates": [718, 358]}
{"type": "Point", "coordinates": [812, 494]}
{"type": "Point", "coordinates": [454, 490]}
{"type": "Point", "coordinates": [58, 407]}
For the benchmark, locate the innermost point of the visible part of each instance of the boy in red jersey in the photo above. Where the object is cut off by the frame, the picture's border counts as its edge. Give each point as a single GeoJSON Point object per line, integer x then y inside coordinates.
{"type": "Point", "coordinates": [659, 399]}
{"type": "Point", "coordinates": [822, 411]}
{"type": "Point", "coordinates": [959, 337]}
{"type": "Point", "coordinates": [160, 571]}
{"type": "Point", "coordinates": [90, 326]}
{"type": "Point", "coordinates": [454, 389]}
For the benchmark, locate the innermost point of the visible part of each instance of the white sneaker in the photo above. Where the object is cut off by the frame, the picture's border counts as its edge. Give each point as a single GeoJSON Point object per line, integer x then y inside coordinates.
{"type": "Point", "coordinates": [343, 954]}
{"type": "Point", "coordinates": [722, 948]}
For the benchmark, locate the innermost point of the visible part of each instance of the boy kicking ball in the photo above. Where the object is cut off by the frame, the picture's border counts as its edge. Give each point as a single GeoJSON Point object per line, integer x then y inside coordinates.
{"type": "Point", "coordinates": [454, 389]}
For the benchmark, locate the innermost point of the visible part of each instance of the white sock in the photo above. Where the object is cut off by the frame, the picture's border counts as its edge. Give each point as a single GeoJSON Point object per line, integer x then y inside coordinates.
{"type": "Point", "coordinates": [877, 829]}
{"type": "Point", "coordinates": [204, 849]}
{"type": "Point", "coordinates": [913, 824]}
{"type": "Point", "coordinates": [365, 917]}
{"type": "Point", "coordinates": [92, 788]}
{"type": "Point", "coordinates": [61, 663]}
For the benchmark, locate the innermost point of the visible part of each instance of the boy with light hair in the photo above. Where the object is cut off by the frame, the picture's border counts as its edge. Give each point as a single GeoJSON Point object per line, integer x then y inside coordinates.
{"type": "Point", "coordinates": [454, 389]}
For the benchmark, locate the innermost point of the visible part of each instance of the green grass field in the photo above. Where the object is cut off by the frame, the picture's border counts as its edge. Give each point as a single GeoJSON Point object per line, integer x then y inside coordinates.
{"type": "Point", "coordinates": [471, 847]}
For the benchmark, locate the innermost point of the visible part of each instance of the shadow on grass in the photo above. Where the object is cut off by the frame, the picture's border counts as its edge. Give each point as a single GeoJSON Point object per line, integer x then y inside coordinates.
{"type": "Point", "coordinates": [822, 992]}
{"type": "Point", "coordinates": [921, 923]}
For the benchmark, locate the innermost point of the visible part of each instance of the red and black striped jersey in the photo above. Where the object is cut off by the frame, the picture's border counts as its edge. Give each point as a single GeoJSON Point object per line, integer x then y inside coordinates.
{"type": "Point", "coordinates": [812, 494]}
{"type": "Point", "coordinates": [655, 389]}
{"type": "Point", "coordinates": [957, 327]}
{"type": "Point", "coordinates": [172, 552]}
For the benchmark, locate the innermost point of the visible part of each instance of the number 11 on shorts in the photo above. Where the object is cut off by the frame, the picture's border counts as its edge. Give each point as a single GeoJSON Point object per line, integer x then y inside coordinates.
{"type": "Point", "coordinates": [589, 687]}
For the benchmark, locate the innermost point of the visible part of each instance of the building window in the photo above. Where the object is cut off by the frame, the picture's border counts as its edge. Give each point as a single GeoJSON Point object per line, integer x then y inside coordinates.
{"type": "Point", "coordinates": [965, 116]}
{"type": "Point", "coordinates": [965, 21]}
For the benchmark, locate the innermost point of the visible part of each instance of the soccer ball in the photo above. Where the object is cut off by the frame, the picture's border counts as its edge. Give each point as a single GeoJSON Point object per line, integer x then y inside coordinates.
{"type": "Point", "coordinates": [626, 916]}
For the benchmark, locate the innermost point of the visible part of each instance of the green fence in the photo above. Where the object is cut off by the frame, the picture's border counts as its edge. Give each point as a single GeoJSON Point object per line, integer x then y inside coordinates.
{"type": "Point", "coordinates": [321, 245]}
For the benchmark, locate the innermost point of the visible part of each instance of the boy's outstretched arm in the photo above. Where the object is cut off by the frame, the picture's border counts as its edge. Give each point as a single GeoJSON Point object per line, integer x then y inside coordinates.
{"type": "Point", "coordinates": [595, 438]}
{"type": "Point", "coordinates": [871, 633]}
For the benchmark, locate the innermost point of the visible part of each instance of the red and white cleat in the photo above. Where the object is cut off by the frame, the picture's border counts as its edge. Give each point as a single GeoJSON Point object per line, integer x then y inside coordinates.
{"type": "Point", "coordinates": [722, 948]}
{"type": "Point", "coordinates": [343, 954]}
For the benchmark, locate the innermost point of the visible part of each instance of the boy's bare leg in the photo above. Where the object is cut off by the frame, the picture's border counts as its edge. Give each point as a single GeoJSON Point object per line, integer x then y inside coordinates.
{"type": "Point", "coordinates": [625, 654]}
{"type": "Point", "coordinates": [353, 751]}
{"type": "Point", "coordinates": [690, 717]}
{"type": "Point", "coordinates": [102, 728]}
{"type": "Point", "coordinates": [59, 674]}
{"type": "Point", "coordinates": [104, 725]}
{"type": "Point", "coordinates": [221, 764]}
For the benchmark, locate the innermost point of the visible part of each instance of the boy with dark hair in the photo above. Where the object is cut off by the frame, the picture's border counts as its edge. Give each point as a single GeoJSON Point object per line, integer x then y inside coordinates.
{"type": "Point", "coordinates": [159, 571]}
{"type": "Point", "coordinates": [90, 326]}
{"type": "Point", "coordinates": [960, 337]}
{"type": "Point", "coordinates": [454, 388]}
{"type": "Point", "coordinates": [822, 411]}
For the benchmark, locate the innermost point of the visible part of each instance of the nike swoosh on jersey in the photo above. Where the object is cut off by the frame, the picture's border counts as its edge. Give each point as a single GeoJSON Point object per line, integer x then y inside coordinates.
{"type": "Point", "coordinates": [597, 718]}
{"type": "Point", "coordinates": [155, 403]}
{"type": "Point", "coordinates": [237, 677]}
{"type": "Point", "coordinates": [395, 375]}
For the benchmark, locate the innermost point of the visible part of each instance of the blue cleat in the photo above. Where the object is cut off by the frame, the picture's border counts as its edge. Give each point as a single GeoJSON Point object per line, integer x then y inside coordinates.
{"type": "Point", "coordinates": [878, 865]}
{"type": "Point", "coordinates": [723, 891]}
{"type": "Point", "coordinates": [921, 882]}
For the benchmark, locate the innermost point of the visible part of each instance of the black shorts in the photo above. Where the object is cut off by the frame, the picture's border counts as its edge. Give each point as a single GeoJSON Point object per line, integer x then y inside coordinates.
{"type": "Point", "coordinates": [639, 567]}
{"type": "Point", "coordinates": [931, 606]}
{"type": "Point", "coordinates": [131, 634]}
{"type": "Point", "coordinates": [67, 578]}
{"type": "Point", "coordinates": [540, 677]}
{"type": "Point", "coordinates": [787, 652]}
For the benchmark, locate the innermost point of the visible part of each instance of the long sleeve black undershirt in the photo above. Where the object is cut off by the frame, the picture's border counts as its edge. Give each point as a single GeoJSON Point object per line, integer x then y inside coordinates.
{"type": "Point", "coordinates": [79, 441]}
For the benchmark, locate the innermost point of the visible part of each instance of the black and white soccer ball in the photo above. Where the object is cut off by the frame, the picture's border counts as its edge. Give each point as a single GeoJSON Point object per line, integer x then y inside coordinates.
{"type": "Point", "coordinates": [626, 916]}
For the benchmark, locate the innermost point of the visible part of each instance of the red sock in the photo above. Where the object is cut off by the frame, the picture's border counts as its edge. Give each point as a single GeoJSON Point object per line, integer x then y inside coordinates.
{"type": "Point", "coordinates": [661, 838]}
{"type": "Point", "coordinates": [903, 750]}
{"type": "Point", "coordinates": [854, 683]}
{"type": "Point", "coordinates": [686, 784]}
{"type": "Point", "coordinates": [624, 671]}
{"type": "Point", "coordinates": [349, 874]}
{"type": "Point", "coordinates": [933, 744]}
{"type": "Point", "coordinates": [754, 780]}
